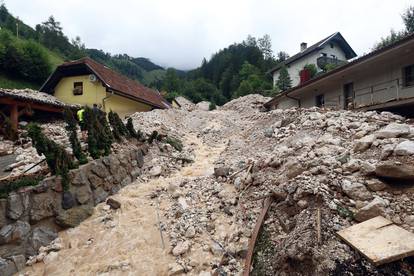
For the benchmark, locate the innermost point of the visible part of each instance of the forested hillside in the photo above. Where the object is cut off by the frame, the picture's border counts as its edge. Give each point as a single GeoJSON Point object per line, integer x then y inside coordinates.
{"type": "Point", "coordinates": [238, 70]}
{"type": "Point", "coordinates": [28, 55]}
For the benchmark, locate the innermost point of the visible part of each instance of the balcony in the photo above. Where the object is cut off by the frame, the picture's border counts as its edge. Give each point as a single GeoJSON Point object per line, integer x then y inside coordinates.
{"type": "Point", "coordinates": [325, 60]}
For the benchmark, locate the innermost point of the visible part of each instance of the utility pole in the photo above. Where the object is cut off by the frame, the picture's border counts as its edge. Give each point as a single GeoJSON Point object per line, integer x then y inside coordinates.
{"type": "Point", "coordinates": [17, 27]}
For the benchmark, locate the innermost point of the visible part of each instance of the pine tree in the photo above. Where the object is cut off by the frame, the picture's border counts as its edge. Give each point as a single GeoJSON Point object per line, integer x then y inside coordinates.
{"type": "Point", "coordinates": [284, 82]}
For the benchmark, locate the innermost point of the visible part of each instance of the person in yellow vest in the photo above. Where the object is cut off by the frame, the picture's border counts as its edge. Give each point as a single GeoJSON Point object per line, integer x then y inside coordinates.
{"type": "Point", "coordinates": [81, 121]}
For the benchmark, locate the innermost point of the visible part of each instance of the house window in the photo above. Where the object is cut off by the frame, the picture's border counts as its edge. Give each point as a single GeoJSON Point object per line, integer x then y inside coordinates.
{"type": "Point", "coordinates": [408, 75]}
{"type": "Point", "coordinates": [323, 54]}
{"type": "Point", "coordinates": [320, 100]}
{"type": "Point", "coordinates": [331, 44]}
{"type": "Point", "coordinates": [77, 88]}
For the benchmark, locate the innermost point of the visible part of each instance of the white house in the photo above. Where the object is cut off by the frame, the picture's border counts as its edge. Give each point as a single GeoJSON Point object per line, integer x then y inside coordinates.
{"type": "Point", "coordinates": [380, 80]}
{"type": "Point", "coordinates": [333, 49]}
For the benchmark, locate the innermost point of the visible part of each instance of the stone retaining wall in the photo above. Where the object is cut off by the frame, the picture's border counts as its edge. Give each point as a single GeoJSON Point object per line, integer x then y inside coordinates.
{"type": "Point", "coordinates": [32, 216]}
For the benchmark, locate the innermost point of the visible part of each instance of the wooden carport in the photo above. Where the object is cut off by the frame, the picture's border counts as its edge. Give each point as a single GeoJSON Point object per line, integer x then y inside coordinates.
{"type": "Point", "coordinates": [15, 103]}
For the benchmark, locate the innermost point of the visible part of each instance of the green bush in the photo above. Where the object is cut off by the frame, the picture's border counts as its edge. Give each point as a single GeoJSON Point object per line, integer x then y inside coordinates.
{"type": "Point", "coordinates": [131, 130]}
{"type": "Point", "coordinates": [17, 184]}
{"type": "Point", "coordinates": [118, 127]}
{"type": "Point", "coordinates": [153, 136]}
{"type": "Point", "coordinates": [212, 106]}
{"type": "Point", "coordinates": [58, 160]}
{"type": "Point", "coordinates": [312, 69]}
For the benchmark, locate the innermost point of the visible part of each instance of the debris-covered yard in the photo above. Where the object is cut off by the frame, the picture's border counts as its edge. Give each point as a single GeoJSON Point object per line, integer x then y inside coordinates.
{"type": "Point", "coordinates": [326, 170]}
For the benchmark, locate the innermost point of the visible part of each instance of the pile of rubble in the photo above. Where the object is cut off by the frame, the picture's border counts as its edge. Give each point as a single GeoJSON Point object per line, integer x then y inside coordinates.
{"type": "Point", "coordinates": [352, 166]}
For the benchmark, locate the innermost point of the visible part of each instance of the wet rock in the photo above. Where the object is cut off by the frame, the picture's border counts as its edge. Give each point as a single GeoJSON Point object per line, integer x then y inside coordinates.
{"type": "Point", "coordinates": [393, 130]}
{"type": "Point", "coordinates": [83, 194]}
{"type": "Point", "coordinates": [181, 248]}
{"type": "Point", "coordinates": [73, 217]}
{"type": "Point", "coordinates": [395, 170]}
{"type": "Point", "coordinates": [68, 200]}
{"type": "Point", "coordinates": [98, 168]}
{"type": "Point", "coordinates": [375, 208]}
{"type": "Point", "coordinates": [17, 205]}
{"type": "Point", "coordinates": [44, 205]}
{"type": "Point", "coordinates": [7, 268]}
{"type": "Point", "coordinates": [42, 236]}
{"type": "Point", "coordinates": [113, 203]}
{"type": "Point", "coordinates": [15, 232]}
{"type": "Point", "coordinates": [355, 190]}
{"type": "Point", "coordinates": [19, 261]}
{"type": "Point", "coordinates": [99, 195]}
{"type": "Point", "coordinates": [405, 148]}
{"type": "Point", "coordinates": [221, 171]}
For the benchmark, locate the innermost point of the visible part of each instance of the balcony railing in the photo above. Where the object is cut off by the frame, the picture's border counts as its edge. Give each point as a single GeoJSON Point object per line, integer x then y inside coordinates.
{"type": "Point", "coordinates": [323, 61]}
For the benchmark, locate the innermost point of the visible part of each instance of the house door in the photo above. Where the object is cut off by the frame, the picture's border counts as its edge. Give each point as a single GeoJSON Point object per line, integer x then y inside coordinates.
{"type": "Point", "coordinates": [348, 95]}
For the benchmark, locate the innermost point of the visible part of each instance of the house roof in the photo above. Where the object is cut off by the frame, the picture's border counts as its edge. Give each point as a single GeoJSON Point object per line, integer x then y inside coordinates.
{"type": "Point", "coordinates": [112, 80]}
{"type": "Point", "coordinates": [340, 69]}
{"type": "Point", "coordinates": [335, 37]}
{"type": "Point", "coordinates": [29, 95]}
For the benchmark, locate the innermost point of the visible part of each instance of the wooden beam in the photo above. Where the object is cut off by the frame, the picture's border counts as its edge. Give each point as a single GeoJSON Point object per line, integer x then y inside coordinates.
{"type": "Point", "coordinates": [14, 116]}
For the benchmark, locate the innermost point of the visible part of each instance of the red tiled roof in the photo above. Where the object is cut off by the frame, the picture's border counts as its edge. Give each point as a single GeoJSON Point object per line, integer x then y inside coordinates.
{"type": "Point", "coordinates": [120, 84]}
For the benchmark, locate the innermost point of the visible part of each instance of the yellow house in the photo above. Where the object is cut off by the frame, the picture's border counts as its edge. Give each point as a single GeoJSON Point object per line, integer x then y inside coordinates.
{"type": "Point", "coordinates": [87, 82]}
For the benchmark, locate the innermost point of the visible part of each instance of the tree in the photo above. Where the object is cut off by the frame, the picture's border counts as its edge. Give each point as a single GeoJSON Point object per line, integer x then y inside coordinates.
{"type": "Point", "coordinates": [171, 81]}
{"type": "Point", "coordinates": [251, 41]}
{"type": "Point", "coordinates": [284, 82]}
{"type": "Point", "coordinates": [408, 18]}
{"type": "Point", "coordinates": [282, 56]}
{"type": "Point", "coordinates": [265, 45]}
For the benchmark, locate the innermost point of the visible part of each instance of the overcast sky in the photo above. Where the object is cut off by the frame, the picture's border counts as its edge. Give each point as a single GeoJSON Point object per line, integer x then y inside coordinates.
{"type": "Point", "coordinates": [179, 33]}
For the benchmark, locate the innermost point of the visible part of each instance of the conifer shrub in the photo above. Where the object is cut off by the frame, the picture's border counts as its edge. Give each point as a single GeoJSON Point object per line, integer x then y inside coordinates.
{"type": "Point", "coordinates": [71, 127]}
{"type": "Point", "coordinates": [17, 184]}
{"type": "Point", "coordinates": [132, 132]}
{"type": "Point", "coordinates": [118, 127]}
{"type": "Point", "coordinates": [99, 134]}
{"type": "Point", "coordinates": [57, 159]}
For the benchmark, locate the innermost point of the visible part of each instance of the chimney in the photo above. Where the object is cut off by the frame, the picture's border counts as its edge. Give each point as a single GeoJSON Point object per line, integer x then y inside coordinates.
{"type": "Point", "coordinates": [303, 46]}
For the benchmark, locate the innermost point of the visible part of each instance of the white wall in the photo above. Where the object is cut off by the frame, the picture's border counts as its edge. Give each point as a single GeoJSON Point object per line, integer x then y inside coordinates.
{"type": "Point", "coordinates": [297, 66]}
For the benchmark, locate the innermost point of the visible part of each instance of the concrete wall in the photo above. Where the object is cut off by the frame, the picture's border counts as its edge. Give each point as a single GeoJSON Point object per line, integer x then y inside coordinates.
{"type": "Point", "coordinates": [32, 216]}
{"type": "Point", "coordinates": [295, 67]}
{"type": "Point", "coordinates": [94, 93]}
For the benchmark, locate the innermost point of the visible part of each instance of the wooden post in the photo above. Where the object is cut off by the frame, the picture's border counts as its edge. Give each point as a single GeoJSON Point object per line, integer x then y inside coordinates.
{"type": "Point", "coordinates": [14, 116]}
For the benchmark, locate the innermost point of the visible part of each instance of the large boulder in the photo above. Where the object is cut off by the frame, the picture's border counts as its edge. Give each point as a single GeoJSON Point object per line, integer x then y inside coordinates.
{"type": "Point", "coordinates": [44, 205]}
{"type": "Point", "coordinates": [99, 195]}
{"type": "Point", "coordinates": [15, 232]}
{"type": "Point", "coordinates": [395, 170]}
{"type": "Point", "coordinates": [98, 168]}
{"type": "Point", "coordinates": [364, 143]}
{"type": "Point", "coordinates": [42, 236]}
{"type": "Point", "coordinates": [73, 217]}
{"type": "Point", "coordinates": [375, 208]}
{"type": "Point", "coordinates": [83, 194]}
{"type": "Point", "coordinates": [405, 148]}
{"type": "Point", "coordinates": [7, 268]}
{"type": "Point", "coordinates": [17, 205]}
{"type": "Point", "coordinates": [355, 190]}
{"type": "Point", "coordinates": [393, 130]}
